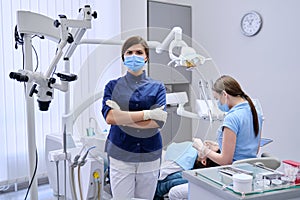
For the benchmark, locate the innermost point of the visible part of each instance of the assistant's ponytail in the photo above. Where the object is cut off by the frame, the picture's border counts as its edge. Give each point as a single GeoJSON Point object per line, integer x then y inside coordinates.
{"type": "Point", "coordinates": [254, 114]}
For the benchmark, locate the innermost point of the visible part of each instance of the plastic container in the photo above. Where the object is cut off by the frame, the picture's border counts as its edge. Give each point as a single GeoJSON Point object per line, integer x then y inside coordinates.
{"type": "Point", "coordinates": [292, 170]}
{"type": "Point", "coordinates": [242, 183]}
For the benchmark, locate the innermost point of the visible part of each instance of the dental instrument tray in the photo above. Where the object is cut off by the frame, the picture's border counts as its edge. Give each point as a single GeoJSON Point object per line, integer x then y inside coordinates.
{"type": "Point", "coordinates": [230, 171]}
{"type": "Point", "coordinates": [264, 180]}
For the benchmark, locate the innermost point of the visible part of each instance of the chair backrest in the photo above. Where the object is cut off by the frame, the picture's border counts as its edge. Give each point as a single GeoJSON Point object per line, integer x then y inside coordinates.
{"type": "Point", "coordinates": [269, 162]}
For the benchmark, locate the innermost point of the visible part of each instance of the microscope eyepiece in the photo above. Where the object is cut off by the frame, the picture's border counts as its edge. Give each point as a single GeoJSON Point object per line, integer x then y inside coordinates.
{"type": "Point", "coordinates": [18, 76]}
{"type": "Point", "coordinates": [43, 105]}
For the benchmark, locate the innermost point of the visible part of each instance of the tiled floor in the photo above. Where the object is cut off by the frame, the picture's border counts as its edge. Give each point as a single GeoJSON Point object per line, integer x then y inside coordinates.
{"type": "Point", "coordinates": [44, 193]}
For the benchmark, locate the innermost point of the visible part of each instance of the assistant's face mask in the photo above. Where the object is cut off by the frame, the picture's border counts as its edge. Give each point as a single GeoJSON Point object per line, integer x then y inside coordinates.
{"type": "Point", "coordinates": [134, 63]}
{"type": "Point", "coordinates": [223, 107]}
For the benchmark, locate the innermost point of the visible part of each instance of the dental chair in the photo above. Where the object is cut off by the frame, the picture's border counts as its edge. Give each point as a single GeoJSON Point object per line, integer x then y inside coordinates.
{"type": "Point", "coordinates": [265, 160]}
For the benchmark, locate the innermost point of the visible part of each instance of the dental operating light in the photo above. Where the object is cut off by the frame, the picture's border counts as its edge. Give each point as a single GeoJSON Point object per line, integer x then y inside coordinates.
{"type": "Point", "coordinates": [188, 56]}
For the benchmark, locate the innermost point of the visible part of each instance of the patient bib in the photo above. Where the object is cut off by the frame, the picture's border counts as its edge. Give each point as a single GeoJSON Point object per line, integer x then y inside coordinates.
{"type": "Point", "coordinates": [184, 154]}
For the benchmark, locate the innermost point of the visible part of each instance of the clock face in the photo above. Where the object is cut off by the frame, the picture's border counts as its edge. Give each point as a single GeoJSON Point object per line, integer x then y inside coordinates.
{"type": "Point", "coordinates": [251, 23]}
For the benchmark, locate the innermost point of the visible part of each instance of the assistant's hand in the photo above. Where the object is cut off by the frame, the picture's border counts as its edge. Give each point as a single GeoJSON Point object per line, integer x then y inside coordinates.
{"type": "Point", "coordinates": [112, 104]}
{"type": "Point", "coordinates": [202, 149]}
{"type": "Point", "coordinates": [156, 114]}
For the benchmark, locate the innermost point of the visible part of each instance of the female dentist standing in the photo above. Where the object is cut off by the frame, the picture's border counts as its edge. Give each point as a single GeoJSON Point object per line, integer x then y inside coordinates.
{"type": "Point", "coordinates": [134, 107]}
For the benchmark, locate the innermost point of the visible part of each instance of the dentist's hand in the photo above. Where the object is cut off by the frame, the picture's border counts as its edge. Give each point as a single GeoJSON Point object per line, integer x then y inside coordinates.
{"type": "Point", "coordinates": [202, 149]}
{"type": "Point", "coordinates": [197, 143]}
{"type": "Point", "coordinates": [156, 114]}
{"type": "Point", "coordinates": [214, 146]}
{"type": "Point", "coordinates": [112, 104]}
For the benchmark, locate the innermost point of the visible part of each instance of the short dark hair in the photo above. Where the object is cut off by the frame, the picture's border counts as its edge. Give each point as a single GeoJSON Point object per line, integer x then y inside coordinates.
{"type": "Point", "coordinates": [209, 163]}
{"type": "Point", "coordinates": [133, 41]}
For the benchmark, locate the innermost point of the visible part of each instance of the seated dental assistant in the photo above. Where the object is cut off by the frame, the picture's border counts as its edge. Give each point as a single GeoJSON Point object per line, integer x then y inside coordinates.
{"type": "Point", "coordinates": [239, 135]}
{"type": "Point", "coordinates": [134, 106]}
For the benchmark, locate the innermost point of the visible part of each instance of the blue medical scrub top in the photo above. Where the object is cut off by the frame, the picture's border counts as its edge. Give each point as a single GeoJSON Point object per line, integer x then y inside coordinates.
{"type": "Point", "coordinates": [239, 119]}
{"type": "Point", "coordinates": [134, 93]}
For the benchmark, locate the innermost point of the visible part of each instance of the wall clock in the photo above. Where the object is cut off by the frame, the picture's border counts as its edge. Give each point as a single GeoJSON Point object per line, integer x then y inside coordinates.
{"type": "Point", "coordinates": [251, 23]}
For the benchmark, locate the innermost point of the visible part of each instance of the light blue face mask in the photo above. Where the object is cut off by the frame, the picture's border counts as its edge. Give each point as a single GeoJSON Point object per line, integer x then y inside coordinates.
{"type": "Point", "coordinates": [223, 107]}
{"type": "Point", "coordinates": [134, 63]}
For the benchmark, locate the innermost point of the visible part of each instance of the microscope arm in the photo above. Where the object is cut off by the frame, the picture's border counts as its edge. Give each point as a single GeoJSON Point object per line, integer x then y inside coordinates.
{"type": "Point", "coordinates": [56, 30]}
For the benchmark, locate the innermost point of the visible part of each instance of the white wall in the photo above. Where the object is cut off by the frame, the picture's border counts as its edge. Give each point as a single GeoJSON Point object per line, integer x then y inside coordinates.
{"type": "Point", "coordinates": [100, 64]}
